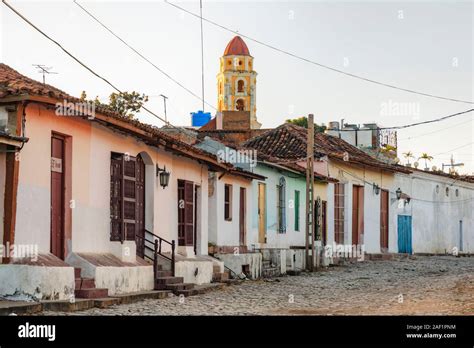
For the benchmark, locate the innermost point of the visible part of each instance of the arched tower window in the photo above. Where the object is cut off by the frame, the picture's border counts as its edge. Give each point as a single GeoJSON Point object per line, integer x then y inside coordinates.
{"type": "Point", "coordinates": [240, 86]}
{"type": "Point", "coordinates": [240, 105]}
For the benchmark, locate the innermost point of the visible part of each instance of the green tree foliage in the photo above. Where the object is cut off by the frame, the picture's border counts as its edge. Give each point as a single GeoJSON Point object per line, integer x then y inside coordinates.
{"type": "Point", "coordinates": [303, 122]}
{"type": "Point", "coordinates": [127, 104]}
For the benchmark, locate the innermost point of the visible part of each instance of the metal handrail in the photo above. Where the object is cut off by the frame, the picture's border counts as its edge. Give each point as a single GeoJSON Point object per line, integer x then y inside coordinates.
{"type": "Point", "coordinates": [156, 242]}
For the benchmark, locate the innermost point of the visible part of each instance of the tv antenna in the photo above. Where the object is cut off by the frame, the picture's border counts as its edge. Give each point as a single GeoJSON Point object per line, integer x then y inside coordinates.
{"type": "Point", "coordinates": [44, 70]}
{"type": "Point", "coordinates": [164, 101]}
{"type": "Point", "coordinates": [452, 165]}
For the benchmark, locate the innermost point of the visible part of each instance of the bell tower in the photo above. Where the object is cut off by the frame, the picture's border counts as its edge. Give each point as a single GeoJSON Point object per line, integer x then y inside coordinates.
{"type": "Point", "coordinates": [237, 81]}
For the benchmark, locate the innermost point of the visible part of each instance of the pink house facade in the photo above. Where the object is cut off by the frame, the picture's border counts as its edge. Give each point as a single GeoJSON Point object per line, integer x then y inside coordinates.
{"type": "Point", "coordinates": [96, 196]}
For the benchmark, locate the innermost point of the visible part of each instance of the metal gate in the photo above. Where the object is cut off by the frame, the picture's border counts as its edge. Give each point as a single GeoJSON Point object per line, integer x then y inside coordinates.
{"type": "Point", "coordinates": [404, 234]}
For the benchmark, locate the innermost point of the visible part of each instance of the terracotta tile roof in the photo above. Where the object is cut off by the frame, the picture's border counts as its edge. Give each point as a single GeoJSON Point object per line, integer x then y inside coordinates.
{"type": "Point", "coordinates": [457, 177]}
{"type": "Point", "coordinates": [237, 47]}
{"type": "Point", "coordinates": [12, 83]}
{"type": "Point", "coordinates": [288, 142]}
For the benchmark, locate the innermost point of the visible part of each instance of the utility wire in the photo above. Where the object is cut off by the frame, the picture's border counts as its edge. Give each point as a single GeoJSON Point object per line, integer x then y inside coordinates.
{"type": "Point", "coordinates": [111, 84]}
{"type": "Point", "coordinates": [316, 63]}
{"type": "Point", "coordinates": [460, 147]}
{"type": "Point", "coordinates": [90, 69]}
{"type": "Point", "coordinates": [181, 129]}
{"type": "Point", "coordinates": [202, 99]}
{"type": "Point", "coordinates": [436, 131]}
{"type": "Point", "coordinates": [143, 57]}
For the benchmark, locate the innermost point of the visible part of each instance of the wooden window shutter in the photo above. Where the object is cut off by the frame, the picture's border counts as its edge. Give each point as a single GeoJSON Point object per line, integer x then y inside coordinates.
{"type": "Point", "coordinates": [123, 197]}
{"type": "Point", "coordinates": [281, 191]}
{"type": "Point", "coordinates": [297, 210]}
{"type": "Point", "coordinates": [129, 198]}
{"type": "Point", "coordinates": [181, 210]}
{"type": "Point", "coordinates": [228, 202]}
{"type": "Point", "coordinates": [189, 212]}
{"type": "Point", "coordinates": [185, 213]}
{"type": "Point", "coordinates": [116, 197]}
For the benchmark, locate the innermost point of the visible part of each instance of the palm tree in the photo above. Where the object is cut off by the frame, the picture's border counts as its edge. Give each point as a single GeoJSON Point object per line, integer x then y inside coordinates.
{"type": "Point", "coordinates": [408, 155]}
{"type": "Point", "coordinates": [427, 158]}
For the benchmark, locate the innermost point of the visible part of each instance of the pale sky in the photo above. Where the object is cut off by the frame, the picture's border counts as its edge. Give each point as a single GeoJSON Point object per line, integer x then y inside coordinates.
{"type": "Point", "coordinates": [424, 46]}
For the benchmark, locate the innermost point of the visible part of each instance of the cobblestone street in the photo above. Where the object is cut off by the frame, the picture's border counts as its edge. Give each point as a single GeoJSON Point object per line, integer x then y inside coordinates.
{"type": "Point", "coordinates": [423, 285]}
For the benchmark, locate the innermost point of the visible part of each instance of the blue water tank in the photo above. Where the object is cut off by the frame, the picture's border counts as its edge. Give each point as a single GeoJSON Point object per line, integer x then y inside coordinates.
{"type": "Point", "coordinates": [200, 118]}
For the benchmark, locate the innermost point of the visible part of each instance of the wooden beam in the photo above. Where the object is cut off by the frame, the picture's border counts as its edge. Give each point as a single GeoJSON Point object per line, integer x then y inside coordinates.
{"type": "Point", "coordinates": [12, 166]}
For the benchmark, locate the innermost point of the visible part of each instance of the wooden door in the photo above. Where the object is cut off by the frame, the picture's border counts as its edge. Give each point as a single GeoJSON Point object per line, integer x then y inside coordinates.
{"type": "Point", "coordinates": [324, 223]}
{"type": "Point", "coordinates": [384, 220]}
{"type": "Point", "coordinates": [242, 217]}
{"type": "Point", "coordinates": [339, 213]}
{"type": "Point", "coordinates": [262, 228]}
{"type": "Point", "coordinates": [116, 198]}
{"type": "Point", "coordinates": [195, 218]}
{"type": "Point", "coordinates": [357, 214]}
{"type": "Point", "coordinates": [185, 213]}
{"type": "Point", "coordinates": [404, 234]}
{"type": "Point", "coordinates": [57, 196]}
{"type": "Point", "coordinates": [140, 206]}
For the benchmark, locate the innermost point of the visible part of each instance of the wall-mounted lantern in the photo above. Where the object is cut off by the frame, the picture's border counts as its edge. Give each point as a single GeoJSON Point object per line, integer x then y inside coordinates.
{"type": "Point", "coordinates": [164, 176]}
{"type": "Point", "coordinates": [376, 188]}
{"type": "Point", "coordinates": [399, 193]}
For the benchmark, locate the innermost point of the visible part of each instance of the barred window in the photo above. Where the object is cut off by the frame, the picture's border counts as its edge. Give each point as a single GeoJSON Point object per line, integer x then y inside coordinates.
{"type": "Point", "coordinates": [281, 198]}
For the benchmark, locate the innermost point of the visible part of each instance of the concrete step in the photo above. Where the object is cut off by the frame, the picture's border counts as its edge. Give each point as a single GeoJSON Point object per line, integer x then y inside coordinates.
{"type": "Point", "coordinates": [220, 277]}
{"type": "Point", "coordinates": [84, 283]}
{"type": "Point", "coordinates": [270, 272]}
{"type": "Point", "coordinates": [179, 286]}
{"type": "Point", "coordinates": [91, 293]}
{"type": "Point", "coordinates": [68, 306]}
{"type": "Point", "coordinates": [106, 302]}
{"type": "Point", "coordinates": [169, 280]}
{"type": "Point", "coordinates": [292, 272]}
{"type": "Point", "coordinates": [186, 293]}
{"type": "Point", "coordinates": [161, 274]}
{"type": "Point", "coordinates": [163, 282]}
{"type": "Point", "coordinates": [140, 296]}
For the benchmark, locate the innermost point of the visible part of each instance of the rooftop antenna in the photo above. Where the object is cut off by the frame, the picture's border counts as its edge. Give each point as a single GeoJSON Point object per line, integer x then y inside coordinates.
{"type": "Point", "coordinates": [164, 101]}
{"type": "Point", "coordinates": [452, 164]}
{"type": "Point", "coordinates": [44, 70]}
{"type": "Point", "coordinates": [202, 56]}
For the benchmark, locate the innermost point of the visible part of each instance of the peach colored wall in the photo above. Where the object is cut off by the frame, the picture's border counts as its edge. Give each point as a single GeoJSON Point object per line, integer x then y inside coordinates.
{"type": "Point", "coordinates": [92, 145]}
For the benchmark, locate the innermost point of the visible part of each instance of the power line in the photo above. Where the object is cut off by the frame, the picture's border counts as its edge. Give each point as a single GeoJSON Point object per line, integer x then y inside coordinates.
{"type": "Point", "coordinates": [143, 57]}
{"type": "Point", "coordinates": [84, 65]}
{"type": "Point", "coordinates": [436, 131]}
{"type": "Point", "coordinates": [181, 129]}
{"type": "Point", "coordinates": [410, 124]}
{"type": "Point", "coordinates": [460, 147]}
{"type": "Point", "coordinates": [316, 63]}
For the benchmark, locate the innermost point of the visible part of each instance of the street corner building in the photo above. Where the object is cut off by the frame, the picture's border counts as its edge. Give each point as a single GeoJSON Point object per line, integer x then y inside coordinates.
{"type": "Point", "coordinates": [97, 204]}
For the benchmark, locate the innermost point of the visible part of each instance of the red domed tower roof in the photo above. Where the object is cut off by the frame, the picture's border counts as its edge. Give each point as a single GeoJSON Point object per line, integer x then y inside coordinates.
{"type": "Point", "coordinates": [236, 47]}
